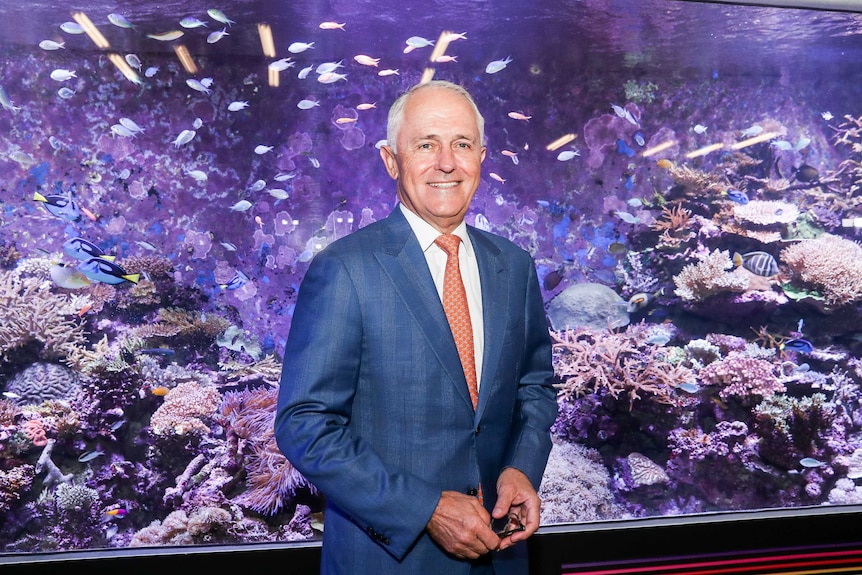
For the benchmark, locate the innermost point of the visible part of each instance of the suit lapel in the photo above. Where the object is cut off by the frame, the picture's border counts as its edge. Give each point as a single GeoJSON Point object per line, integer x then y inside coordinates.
{"type": "Point", "coordinates": [495, 296]}
{"type": "Point", "coordinates": [404, 263]}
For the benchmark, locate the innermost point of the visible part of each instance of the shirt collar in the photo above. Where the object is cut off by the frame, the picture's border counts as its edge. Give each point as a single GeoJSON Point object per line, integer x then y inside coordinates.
{"type": "Point", "coordinates": [426, 234]}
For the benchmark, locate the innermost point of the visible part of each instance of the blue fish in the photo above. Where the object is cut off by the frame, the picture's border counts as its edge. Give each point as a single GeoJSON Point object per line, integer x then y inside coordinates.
{"type": "Point", "coordinates": [60, 206]}
{"type": "Point", "coordinates": [798, 344]}
{"type": "Point", "coordinates": [760, 263]}
{"type": "Point", "coordinates": [237, 281]}
{"type": "Point", "coordinates": [624, 148]}
{"type": "Point", "coordinates": [639, 138]}
{"type": "Point", "coordinates": [81, 249]}
{"type": "Point", "coordinates": [101, 270]}
{"type": "Point", "coordinates": [737, 196]}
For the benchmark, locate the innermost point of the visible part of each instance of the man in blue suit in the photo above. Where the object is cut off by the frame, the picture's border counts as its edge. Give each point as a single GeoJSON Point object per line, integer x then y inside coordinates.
{"type": "Point", "coordinates": [374, 407]}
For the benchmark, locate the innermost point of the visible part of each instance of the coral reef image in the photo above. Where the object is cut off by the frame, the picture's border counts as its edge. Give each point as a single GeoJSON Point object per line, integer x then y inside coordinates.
{"type": "Point", "coordinates": [693, 203]}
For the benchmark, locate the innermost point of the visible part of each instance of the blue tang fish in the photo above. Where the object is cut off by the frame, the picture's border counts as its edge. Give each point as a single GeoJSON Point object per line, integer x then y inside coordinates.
{"type": "Point", "coordinates": [81, 249]}
{"type": "Point", "coordinates": [60, 206]}
{"type": "Point", "coordinates": [101, 270]}
{"type": "Point", "coordinates": [798, 344]}
{"type": "Point", "coordinates": [737, 196]}
{"type": "Point", "coordinates": [237, 281]}
{"type": "Point", "coordinates": [624, 148]}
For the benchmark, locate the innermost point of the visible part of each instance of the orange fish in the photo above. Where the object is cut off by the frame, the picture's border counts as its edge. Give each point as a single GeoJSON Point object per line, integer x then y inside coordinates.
{"type": "Point", "coordinates": [519, 116]}
{"type": "Point", "coordinates": [85, 309]}
{"type": "Point", "coordinates": [366, 106]}
{"type": "Point", "coordinates": [117, 512]}
{"type": "Point", "coordinates": [89, 214]}
{"type": "Point", "coordinates": [345, 120]}
{"type": "Point", "coordinates": [664, 164]}
{"type": "Point", "coordinates": [331, 26]}
{"type": "Point", "coordinates": [160, 391]}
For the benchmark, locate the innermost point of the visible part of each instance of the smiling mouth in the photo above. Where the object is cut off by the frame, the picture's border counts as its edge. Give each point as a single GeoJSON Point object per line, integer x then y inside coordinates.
{"type": "Point", "coordinates": [443, 185]}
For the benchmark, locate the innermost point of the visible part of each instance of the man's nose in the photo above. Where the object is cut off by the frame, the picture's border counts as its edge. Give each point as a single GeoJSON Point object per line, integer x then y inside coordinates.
{"type": "Point", "coordinates": [445, 159]}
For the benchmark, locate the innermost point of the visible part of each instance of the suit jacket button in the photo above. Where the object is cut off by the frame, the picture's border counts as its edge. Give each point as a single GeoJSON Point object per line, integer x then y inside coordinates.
{"type": "Point", "coordinates": [478, 429]}
{"type": "Point", "coordinates": [472, 492]}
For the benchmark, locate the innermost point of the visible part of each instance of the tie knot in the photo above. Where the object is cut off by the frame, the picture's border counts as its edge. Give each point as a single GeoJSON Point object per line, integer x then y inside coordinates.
{"type": "Point", "coordinates": [449, 243]}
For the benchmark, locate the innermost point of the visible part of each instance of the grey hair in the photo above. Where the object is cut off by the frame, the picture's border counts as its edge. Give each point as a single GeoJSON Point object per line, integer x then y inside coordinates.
{"type": "Point", "coordinates": [396, 112]}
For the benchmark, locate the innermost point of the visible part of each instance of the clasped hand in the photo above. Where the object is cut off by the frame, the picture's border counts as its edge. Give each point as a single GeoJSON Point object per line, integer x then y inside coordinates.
{"type": "Point", "coordinates": [463, 527]}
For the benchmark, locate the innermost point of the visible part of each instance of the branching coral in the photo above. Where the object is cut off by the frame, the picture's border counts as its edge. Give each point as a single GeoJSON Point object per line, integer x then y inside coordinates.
{"type": "Point", "coordinates": [32, 312]}
{"type": "Point", "coordinates": [619, 364]}
{"type": "Point", "coordinates": [742, 376]}
{"type": "Point", "coordinates": [675, 226]}
{"type": "Point", "coordinates": [709, 277]}
{"type": "Point", "coordinates": [696, 181]}
{"type": "Point", "coordinates": [14, 483]}
{"type": "Point", "coordinates": [830, 264]}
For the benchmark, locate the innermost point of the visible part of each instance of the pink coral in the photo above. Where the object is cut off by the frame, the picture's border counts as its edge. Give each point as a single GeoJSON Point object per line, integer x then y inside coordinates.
{"type": "Point", "coordinates": [742, 376]}
{"type": "Point", "coordinates": [14, 483]}
{"type": "Point", "coordinates": [831, 264]}
{"type": "Point", "coordinates": [765, 213]}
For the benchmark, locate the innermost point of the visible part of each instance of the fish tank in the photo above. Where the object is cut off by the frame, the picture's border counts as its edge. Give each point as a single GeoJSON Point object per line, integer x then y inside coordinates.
{"type": "Point", "coordinates": [687, 176]}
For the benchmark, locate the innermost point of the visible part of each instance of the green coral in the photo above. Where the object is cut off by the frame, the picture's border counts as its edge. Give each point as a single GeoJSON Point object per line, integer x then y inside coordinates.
{"type": "Point", "coordinates": [640, 91]}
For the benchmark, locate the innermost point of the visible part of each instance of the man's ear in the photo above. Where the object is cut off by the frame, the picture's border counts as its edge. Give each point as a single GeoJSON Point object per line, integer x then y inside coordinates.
{"type": "Point", "coordinates": [388, 157]}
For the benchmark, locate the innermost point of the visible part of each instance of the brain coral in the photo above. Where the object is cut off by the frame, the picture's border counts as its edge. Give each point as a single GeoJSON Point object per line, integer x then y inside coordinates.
{"type": "Point", "coordinates": [43, 381]}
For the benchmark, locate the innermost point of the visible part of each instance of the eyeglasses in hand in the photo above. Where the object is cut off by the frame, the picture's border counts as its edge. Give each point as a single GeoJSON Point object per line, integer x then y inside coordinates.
{"type": "Point", "coordinates": [507, 525]}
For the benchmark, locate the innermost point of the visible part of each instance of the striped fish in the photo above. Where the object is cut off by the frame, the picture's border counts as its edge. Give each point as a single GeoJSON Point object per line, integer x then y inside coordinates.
{"type": "Point", "coordinates": [760, 263]}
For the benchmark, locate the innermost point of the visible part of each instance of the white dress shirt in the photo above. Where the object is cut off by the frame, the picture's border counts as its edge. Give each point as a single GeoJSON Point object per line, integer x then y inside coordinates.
{"type": "Point", "coordinates": [436, 258]}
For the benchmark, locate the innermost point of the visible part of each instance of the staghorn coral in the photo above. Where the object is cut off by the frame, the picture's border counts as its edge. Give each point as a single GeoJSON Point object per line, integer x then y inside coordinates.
{"type": "Point", "coordinates": [33, 313]}
{"type": "Point", "coordinates": [42, 382]}
{"type": "Point", "coordinates": [742, 376]}
{"type": "Point", "coordinates": [830, 264]}
{"type": "Point", "coordinates": [696, 182]}
{"type": "Point", "coordinates": [619, 364]}
{"type": "Point", "coordinates": [675, 226]}
{"type": "Point", "coordinates": [186, 409]}
{"type": "Point", "coordinates": [709, 277]}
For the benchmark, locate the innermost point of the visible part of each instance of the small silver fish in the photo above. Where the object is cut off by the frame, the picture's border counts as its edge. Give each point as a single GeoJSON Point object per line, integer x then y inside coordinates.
{"type": "Point", "coordinates": [90, 455]}
{"type": "Point", "coordinates": [567, 155]}
{"type": "Point", "coordinates": [700, 129]}
{"type": "Point", "coordinates": [627, 217]}
{"type": "Point", "coordinates": [811, 462]}
{"type": "Point", "coordinates": [237, 106]}
{"type": "Point", "coordinates": [331, 78]}
{"type": "Point", "coordinates": [754, 130]}
{"type": "Point", "coordinates": [151, 71]}
{"type": "Point", "coordinates": [147, 245]}
{"type": "Point", "coordinates": [303, 74]}
{"type": "Point", "coordinates": [184, 137]}
{"type": "Point", "coordinates": [260, 150]}
{"type": "Point", "coordinates": [497, 65]}
{"type": "Point", "coordinates": [167, 36]}
{"type": "Point", "coordinates": [327, 67]}
{"type": "Point", "coordinates": [61, 75]}
{"type": "Point", "coordinates": [191, 22]}
{"type": "Point", "coordinates": [122, 131]}
{"type": "Point", "coordinates": [195, 84]}
{"type": "Point", "coordinates": [217, 35]}
{"type": "Point", "coordinates": [131, 125]}
{"type": "Point", "coordinates": [51, 45]}
{"type": "Point", "coordinates": [307, 104]}
{"type": "Point", "coordinates": [119, 20]}
{"type": "Point", "coordinates": [281, 65]}
{"type": "Point", "coordinates": [6, 102]}
{"type": "Point", "coordinates": [229, 246]}
{"type": "Point", "coordinates": [258, 186]}
{"type": "Point", "coordinates": [278, 193]}
{"type": "Point", "coordinates": [133, 61]}
{"type": "Point", "coordinates": [198, 175]}
{"type": "Point", "coordinates": [197, 124]}
{"type": "Point", "coordinates": [71, 28]}
{"type": "Point", "coordinates": [241, 206]}
{"type": "Point", "coordinates": [283, 177]}
{"type": "Point", "coordinates": [418, 42]}
{"type": "Point", "coordinates": [65, 92]}
{"type": "Point", "coordinates": [219, 16]}
{"type": "Point", "coordinates": [299, 47]}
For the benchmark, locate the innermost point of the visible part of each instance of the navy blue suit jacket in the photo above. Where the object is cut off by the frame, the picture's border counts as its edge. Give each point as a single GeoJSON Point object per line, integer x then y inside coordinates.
{"type": "Point", "coordinates": [373, 406]}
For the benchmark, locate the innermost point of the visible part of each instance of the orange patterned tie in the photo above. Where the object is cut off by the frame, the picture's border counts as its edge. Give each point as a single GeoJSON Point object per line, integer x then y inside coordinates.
{"type": "Point", "coordinates": [457, 312]}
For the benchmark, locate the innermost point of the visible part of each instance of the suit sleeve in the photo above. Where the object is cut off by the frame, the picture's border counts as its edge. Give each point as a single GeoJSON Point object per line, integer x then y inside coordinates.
{"type": "Point", "coordinates": [316, 394]}
{"type": "Point", "coordinates": [537, 405]}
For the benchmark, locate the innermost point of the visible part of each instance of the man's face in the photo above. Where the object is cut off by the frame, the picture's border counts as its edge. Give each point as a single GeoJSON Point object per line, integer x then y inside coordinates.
{"type": "Point", "coordinates": [439, 159]}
